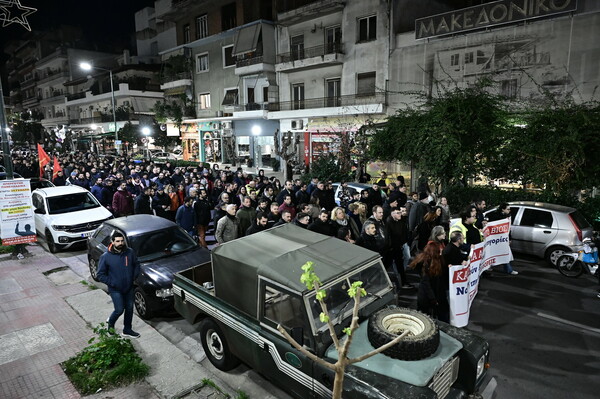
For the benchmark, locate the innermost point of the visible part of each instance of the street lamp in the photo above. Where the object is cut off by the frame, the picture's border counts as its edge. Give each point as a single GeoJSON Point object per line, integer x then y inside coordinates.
{"type": "Point", "coordinates": [146, 131]}
{"type": "Point", "coordinates": [86, 66]}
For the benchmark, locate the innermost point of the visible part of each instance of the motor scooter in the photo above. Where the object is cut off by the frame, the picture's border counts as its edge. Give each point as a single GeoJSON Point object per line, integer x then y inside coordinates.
{"type": "Point", "coordinates": [576, 263]}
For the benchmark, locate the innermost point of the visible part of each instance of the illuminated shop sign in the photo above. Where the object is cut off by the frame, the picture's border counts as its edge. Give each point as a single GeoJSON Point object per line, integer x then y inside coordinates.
{"type": "Point", "coordinates": [489, 14]}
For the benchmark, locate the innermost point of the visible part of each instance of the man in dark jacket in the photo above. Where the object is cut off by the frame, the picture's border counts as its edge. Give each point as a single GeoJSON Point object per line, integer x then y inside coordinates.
{"type": "Point", "coordinates": [143, 203]}
{"type": "Point", "coordinates": [260, 224]}
{"type": "Point", "coordinates": [322, 224]}
{"type": "Point", "coordinates": [452, 254]}
{"type": "Point", "coordinates": [59, 180]}
{"type": "Point", "coordinates": [397, 235]}
{"type": "Point", "coordinates": [202, 208]}
{"type": "Point", "coordinates": [288, 189]}
{"type": "Point", "coordinates": [106, 195]}
{"type": "Point", "coordinates": [118, 268]}
{"type": "Point", "coordinates": [186, 217]}
{"type": "Point", "coordinates": [161, 202]}
{"type": "Point", "coordinates": [246, 215]}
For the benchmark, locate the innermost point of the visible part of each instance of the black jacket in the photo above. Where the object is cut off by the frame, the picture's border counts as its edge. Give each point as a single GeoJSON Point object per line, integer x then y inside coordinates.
{"type": "Point", "coordinates": [452, 255]}
{"type": "Point", "coordinates": [375, 243]}
{"type": "Point", "coordinates": [318, 226]}
{"type": "Point", "coordinates": [397, 233]}
{"type": "Point", "coordinates": [203, 208]}
{"type": "Point", "coordinates": [142, 205]}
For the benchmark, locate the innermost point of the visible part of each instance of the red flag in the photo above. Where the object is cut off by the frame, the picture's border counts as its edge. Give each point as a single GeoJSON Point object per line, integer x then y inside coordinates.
{"type": "Point", "coordinates": [56, 168]}
{"type": "Point", "coordinates": [44, 159]}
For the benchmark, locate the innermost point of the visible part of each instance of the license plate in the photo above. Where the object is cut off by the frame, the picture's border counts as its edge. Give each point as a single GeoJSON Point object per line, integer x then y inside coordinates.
{"type": "Point", "coordinates": [89, 234]}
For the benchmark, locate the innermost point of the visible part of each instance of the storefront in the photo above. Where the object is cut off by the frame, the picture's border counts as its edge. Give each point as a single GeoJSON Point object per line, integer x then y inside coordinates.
{"type": "Point", "coordinates": [190, 142]}
{"type": "Point", "coordinates": [254, 141]}
{"type": "Point", "coordinates": [211, 142]}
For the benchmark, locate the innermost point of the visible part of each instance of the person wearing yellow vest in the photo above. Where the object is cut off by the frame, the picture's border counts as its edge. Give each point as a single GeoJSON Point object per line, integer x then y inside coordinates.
{"type": "Point", "coordinates": [467, 228]}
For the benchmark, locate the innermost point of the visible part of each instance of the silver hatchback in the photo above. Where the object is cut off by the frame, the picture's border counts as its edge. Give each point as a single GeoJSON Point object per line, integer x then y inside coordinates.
{"type": "Point", "coordinates": [546, 230]}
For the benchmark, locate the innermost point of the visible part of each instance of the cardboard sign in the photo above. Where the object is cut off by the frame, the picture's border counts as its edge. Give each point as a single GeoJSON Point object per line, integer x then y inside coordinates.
{"type": "Point", "coordinates": [17, 222]}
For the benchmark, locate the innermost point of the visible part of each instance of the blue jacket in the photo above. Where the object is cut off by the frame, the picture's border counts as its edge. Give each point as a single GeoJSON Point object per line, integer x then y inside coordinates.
{"type": "Point", "coordinates": [186, 217]}
{"type": "Point", "coordinates": [118, 270]}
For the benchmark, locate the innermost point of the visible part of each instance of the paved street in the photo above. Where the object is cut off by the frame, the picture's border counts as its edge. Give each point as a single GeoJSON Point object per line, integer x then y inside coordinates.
{"type": "Point", "coordinates": [544, 331]}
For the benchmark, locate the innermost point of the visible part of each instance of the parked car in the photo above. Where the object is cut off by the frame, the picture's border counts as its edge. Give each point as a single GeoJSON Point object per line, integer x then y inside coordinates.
{"type": "Point", "coordinates": [165, 156]}
{"type": "Point", "coordinates": [354, 187]}
{"type": "Point", "coordinates": [66, 215]}
{"type": "Point", "coordinates": [546, 230]}
{"type": "Point", "coordinates": [162, 247]}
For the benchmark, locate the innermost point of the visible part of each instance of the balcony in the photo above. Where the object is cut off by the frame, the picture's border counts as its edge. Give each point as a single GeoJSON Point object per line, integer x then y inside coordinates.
{"type": "Point", "coordinates": [53, 96]}
{"type": "Point", "coordinates": [47, 77]}
{"type": "Point", "coordinates": [121, 117]}
{"type": "Point", "coordinates": [182, 8]}
{"type": "Point", "coordinates": [311, 57]}
{"type": "Point", "coordinates": [290, 12]}
{"type": "Point", "coordinates": [175, 83]}
{"type": "Point", "coordinates": [31, 101]}
{"type": "Point", "coordinates": [353, 100]}
{"type": "Point", "coordinates": [252, 65]}
{"type": "Point", "coordinates": [75, 96]}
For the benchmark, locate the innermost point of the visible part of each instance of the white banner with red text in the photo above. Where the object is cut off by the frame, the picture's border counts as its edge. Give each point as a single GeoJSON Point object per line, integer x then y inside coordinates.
{"type": "Point", "coordinates": [464, 280]}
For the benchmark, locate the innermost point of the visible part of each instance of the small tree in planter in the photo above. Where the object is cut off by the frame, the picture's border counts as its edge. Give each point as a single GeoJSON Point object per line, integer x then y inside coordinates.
{"type": "Point", "coordinates": [312, 281]}
{"type": "Point", "coordinates": [287, 149]}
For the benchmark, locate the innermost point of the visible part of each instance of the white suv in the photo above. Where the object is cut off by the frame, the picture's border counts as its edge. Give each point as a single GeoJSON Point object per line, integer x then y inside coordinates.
{"type": "Point", "coordinates": [66, 215]}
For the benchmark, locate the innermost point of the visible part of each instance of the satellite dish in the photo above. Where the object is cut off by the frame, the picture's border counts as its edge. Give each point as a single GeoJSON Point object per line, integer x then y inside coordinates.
{"type": "Point", "coordinates": [163, 127]}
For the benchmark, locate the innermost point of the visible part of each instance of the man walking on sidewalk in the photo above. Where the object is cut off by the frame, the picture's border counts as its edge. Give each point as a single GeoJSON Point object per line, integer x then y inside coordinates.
{"type": "Point", "coordinates": [118, 268]}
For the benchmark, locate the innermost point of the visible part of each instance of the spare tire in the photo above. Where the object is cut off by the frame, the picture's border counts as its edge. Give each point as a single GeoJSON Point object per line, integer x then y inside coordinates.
{"type": "Point", "coordinates": [422, 340]}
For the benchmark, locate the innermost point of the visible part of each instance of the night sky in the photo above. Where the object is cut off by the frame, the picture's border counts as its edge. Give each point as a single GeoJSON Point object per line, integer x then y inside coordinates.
{"type": "Point", "coordinates": [101, 20]}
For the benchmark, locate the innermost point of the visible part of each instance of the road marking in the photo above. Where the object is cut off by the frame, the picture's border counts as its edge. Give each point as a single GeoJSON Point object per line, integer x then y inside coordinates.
{"type": "Point", "coordinates": [571, 323]}
{"type": "Point", "coordinates": [489, 389]}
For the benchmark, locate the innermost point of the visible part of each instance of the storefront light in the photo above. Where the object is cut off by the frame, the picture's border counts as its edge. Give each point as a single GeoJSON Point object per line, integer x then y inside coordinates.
{"type": "Point", "coordinates": [256, 130]}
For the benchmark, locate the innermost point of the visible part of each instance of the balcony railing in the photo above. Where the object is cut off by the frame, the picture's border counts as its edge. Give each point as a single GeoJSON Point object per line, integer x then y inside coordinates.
{"type": "Point", "coordinates": [75, 96]}
{"type": "Point", "coordinates": [251, 107]}
{"type": "Point", "coordinates": [175, 76]}
{"type": "Point", "coordinates": [328, 102]}
{"type": "Point", "coordinates": [248, 61]}
{"type": "Point", "coordinates": [317, 51]}
{"type": "Point", "coordinates": [107, 117]}
{"type": "Point", "coordinates": [287, 5]}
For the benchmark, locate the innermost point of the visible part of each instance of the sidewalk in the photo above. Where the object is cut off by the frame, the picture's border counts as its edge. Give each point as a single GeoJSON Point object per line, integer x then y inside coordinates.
{"type": "Point", "coordinates": [45, 314]}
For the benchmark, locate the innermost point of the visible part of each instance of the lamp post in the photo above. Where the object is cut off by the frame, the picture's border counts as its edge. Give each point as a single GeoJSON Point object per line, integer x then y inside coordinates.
{"type": "Point", "coordinates": [86, 66]}
{"type": "Point", "coordinates": [146, 131]}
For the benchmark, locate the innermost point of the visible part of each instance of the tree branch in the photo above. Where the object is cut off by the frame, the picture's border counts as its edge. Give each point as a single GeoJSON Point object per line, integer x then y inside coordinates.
{"type": "Point", "coordinates": [310, 355]}
{"type": "Point", "coordinates": [332, 333]}
{"type": "Point", "coordinates": [378, 350]}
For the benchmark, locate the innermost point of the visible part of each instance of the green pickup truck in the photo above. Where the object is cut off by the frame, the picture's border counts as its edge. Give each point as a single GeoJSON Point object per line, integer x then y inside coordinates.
{"type": "Point", "coordinates": [252, 284]}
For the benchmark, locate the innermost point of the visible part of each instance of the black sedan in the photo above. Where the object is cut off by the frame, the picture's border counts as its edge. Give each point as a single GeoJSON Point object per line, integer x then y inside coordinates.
{"type": "Point", "coordinates": [162, 247]}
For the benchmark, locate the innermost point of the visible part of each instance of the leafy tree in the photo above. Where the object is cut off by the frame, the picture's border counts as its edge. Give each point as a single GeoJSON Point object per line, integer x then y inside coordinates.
{"type": "Point", "coordinates": [130, 133]}
{"type": "Point", "coordinates": [449, 137]}
{"type": "Point", "coordinates": [312, 281]}
{"type": "Point", "coordinates": [23, 131]}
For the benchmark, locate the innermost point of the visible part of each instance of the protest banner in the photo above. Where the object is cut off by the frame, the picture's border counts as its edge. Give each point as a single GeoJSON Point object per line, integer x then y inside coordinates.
{"type": "Point", "coordinates": [497, 249]}
{"type": "Point", "coordinates": [17, 222]}
{"type": "Point", "coordinates": [464, 284]}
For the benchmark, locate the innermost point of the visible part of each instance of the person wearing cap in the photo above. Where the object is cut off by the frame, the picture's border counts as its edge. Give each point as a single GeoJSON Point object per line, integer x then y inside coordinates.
{"type": "Point", "coordinates": [418, 211]}
{"type": "Point", "coordinates": [161, 203]}
{"type": "Point", "coordinates": [107, 193]}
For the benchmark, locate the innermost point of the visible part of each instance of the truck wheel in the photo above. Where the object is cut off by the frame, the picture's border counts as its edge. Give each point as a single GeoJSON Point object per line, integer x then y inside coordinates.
{"type": "Point", "coordinates": [141, 304]}
{"type": "Point", "coordinates": [422, 340]}
{"type": "Point", "coordinates": [215, 346]}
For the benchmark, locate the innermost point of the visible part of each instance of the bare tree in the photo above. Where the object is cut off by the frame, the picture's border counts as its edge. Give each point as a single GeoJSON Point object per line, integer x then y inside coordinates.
{"type": "Point", "coordinates": [287, 149]}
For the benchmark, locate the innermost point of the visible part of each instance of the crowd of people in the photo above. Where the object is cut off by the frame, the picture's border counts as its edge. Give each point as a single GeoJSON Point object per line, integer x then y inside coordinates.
{"type": "Point", "coordinates": [409, 230]}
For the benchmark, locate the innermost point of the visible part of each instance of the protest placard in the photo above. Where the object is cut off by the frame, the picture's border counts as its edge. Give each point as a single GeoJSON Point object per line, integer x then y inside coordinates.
{"type": "Point", "coordinates": [17, 222]}
{"type": "Point", "coordinates": [464, 284]}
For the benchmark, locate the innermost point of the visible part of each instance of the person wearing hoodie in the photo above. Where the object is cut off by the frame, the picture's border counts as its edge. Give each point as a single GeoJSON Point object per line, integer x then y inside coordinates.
{"type": "Point", "coordinates": [122, 202]}
{"type": "Point", "coordinates": [118, 268]}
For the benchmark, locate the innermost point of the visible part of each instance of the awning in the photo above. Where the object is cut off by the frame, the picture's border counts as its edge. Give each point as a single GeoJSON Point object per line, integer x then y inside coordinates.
{"type": "Point", "coordinates": [174, 91]}
{"type": "Point", "coordinates": [246, 39]}
{"type": "Point", "coordinates": [231, 97]}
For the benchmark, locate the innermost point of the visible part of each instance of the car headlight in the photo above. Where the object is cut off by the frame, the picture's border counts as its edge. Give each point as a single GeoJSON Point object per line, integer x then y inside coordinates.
{"type": "Point", "coordinates": [165, 292]}
{"type": "Point", "coordinates": [58, 227]}
{"type": "Point", "coordinates": [481, 365]}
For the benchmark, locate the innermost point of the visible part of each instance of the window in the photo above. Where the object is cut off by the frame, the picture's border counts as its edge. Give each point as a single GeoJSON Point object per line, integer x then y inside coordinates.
{"type": "Point", "coordinates": [201, 26]}
{"type": "Point", "coordinates": [228, 59]}
{"type": "Point", "coordinates": [204, 100]}
{"type": "Point", "coordinates": [154, 48]}
{"type": "Point", "coordinates": [282, 308]}
{"type": "Point", "coordinates": [228, 16]}
{"type": "Point", "coordinates": [231, 97]}
{"type": "Point", "coordinates": [266, 94]}
{"type": "Point", "coordinates": [454, 59]}
{"type": "Point", "coordinates": [298, 95]}
{"type": "Point", "coordinates": [187, 36]}
{"type": "Point", "coordinates": [481, 58]}
{"type": "Point", "coordinates": [250, 95]}
{"type": "Point", "coordinates": [469, 58]}
{"type": "Point", "coordinates": [333, 39]}
{"type": "Point", "coordinates": [333, 92]}
{"type": "Point", "coordinates": [365, 84]}
{"type": "Point", "coordinates": [509, 88]}
{"type": "Point", "coordinates": [202, 62]}
{"type": "Point", "coordinates": [536, 218]}
{"type": "Point", "coordinates": [297, 47]}
{"type": "Point", "coordinates": [367, 29]}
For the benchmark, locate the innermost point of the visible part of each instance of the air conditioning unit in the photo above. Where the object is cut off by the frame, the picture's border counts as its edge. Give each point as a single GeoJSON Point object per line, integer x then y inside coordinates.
{"type": "Point", "coordinates": [226, 125]}
{"type": "Point", "coordinates": [216, 125]}
{"type": "Point", "coordinates": [297, 124]}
